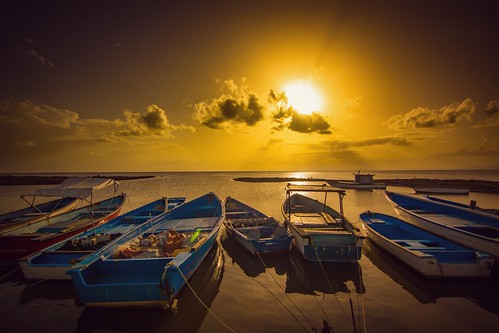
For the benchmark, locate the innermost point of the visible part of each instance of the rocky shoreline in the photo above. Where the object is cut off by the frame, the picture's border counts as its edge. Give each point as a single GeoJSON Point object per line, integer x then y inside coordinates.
{"type": "Point", "coordinates": [481, 186]}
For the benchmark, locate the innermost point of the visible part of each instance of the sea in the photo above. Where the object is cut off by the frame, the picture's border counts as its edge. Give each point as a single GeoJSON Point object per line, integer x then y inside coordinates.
{"type": "Point", "coordinates": [233, 291]}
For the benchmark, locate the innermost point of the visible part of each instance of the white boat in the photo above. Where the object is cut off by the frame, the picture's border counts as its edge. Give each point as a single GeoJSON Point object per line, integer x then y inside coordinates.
{"type": "Point", "coordinates": [441, 190]}
{"type": "Point", "coordinates": [38, 208]}
{"type": "Point", "coordinates": [427, 253]}
{"type": "Point", "coordinates": [473, 229]}
{"type": "Point", "coordinates": [363, 181]}
{"type": "Point", "coordinates": [321, 233]}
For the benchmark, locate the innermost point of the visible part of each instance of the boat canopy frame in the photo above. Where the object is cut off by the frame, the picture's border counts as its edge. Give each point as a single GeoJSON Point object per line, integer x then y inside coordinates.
{"type": "Point", "coordinates": [73, 187]}
{"type": "Point", "coordinates": [318, 188]}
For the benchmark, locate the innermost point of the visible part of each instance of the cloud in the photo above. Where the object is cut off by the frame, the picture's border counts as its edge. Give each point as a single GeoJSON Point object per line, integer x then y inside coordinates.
{"type": "Point", "coordinates": [391, 141]}
{"type": "Point", "coordinates": [422, 117]}
{"type": "Point", "coordinates": [25, 143]}
{"type": "Point", "coordinates": [285, 116]}
{"type": "Point", "coordinates": [491, 111]}
{"type": "Point", "coordinates": [235, 106]}
{"type": "Point", "coordinates": [29, 112]}
{"type": "Point", "coordinates": [153, 122]}
{"type": "Point", "coordinates": [15, 45]}
{"type": "Point", "coordinates": [36, 55]}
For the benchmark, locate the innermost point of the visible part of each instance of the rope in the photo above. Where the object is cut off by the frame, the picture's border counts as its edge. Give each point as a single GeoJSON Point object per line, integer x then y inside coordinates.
{"type": "Point", "coordinates": [360, 299]}
{"type": "Point", "coordinates": [325, 275]}
{"type": "Point", "coordinates": [12, 271]}
{"type": "Point", "coordinates": [283, 291]}
{"type": "Point", "coordinates": [291, 313]}
{"type": "Point", "coordinates": [201, 301]}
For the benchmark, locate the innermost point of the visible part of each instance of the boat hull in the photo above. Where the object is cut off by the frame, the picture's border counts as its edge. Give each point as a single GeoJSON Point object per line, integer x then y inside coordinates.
{"type": "Point", "coordinates": [434, 261]}
{"type": "Point", "coordinates": [16, 244]}
{"type": "Point", "coordinates": [255, 231]}
{"type": "Point", "coordinates": [464, 226]}
{"type": "Point", "coordinates": [104, 280]}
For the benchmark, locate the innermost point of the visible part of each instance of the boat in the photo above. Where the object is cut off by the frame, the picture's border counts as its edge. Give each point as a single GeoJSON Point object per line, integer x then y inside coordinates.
{"type": "Point", "coordinates": [441, 190]}
{"type": "Point", "coordinates": [53, 262]}
{"type": "Point", "coordinates": [468, 227]}
{"type": "Point", "coordinates": [150, 265]}
{"type": "Point", "coordinates": [321, 234]}
{"type": "Point", "coordinates": [21, 241]}
{"type": "Point", "coordinates": [430, 255]}
{"type": "Point", "coordinates": [257, 232]}
{"type": "Point", "coordinates": [363, 181]}
{"type": "Point", "coordinates": [471, 205]}
{"type": "Point", "coordinates": [39, 208]}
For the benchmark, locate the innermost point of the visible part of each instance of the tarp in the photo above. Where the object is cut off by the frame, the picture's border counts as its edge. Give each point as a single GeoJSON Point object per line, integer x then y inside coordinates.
{"type": "Point", "coordinates": [75, 187]}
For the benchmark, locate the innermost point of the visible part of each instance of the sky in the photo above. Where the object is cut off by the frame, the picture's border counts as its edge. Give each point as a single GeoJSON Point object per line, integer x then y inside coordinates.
{"type": "Point", "coordinates": [197, 85]}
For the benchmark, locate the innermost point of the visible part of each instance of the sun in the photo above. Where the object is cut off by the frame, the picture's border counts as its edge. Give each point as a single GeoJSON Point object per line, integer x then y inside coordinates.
{"type": "Point", "coordinates": [303, 97]}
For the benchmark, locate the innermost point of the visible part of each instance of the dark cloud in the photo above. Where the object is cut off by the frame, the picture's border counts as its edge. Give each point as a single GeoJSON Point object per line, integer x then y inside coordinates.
{"type": "Point", "coordinates": [153, 121]}
{"type": "Point", "coordinates": [285, 117]}
{"type": "Point", "coordinates": [236, 106]}
{"type": "Point", "coordinates": [422, 117]}
{"type": "Point", "coordinates": [492, 109]}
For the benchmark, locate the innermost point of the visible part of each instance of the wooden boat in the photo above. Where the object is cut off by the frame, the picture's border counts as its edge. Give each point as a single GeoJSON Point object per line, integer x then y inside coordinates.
{"type": "Point", "coordinates": [18, 242]}
{"type": "Point", "coordinates": [427, 253]}
{"type": "Point", "coordinates": [149, 265]}
{"type": "Point", "coordinates": [473, 229]}
{"type": "Point", "coordinates": [321, 233]}
{"type": "Point", "coordinates": [363, 181]}
{"type": "Point", "coordinates": [53, 262]}
{"type": "Point", "coordinates": [255, 231]}
{"type": "Point", "coordinates": [42, 210]}
{"type": "Point", "coordinates": [441, 190]}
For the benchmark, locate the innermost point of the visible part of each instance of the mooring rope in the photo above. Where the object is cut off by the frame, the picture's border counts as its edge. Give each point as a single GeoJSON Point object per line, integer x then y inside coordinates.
{"type": "Point", "coordinates": [12, 271]}
{"type": "Point", "coordinates": [360, 298]}
{"type": "Point", "coordinates": [201, 301]}
{"type": "Point", "coordinates": [283, 291]}
{"type": "Point", "coordinates": [325, 275]}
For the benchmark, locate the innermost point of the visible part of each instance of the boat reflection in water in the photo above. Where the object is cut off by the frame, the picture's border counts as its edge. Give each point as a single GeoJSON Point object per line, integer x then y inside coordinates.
{"type": "Point", "coordinates": [191, 313]}
{"type": "Point", "coordinates": [309, 278]}
{"type": "Point", "coordinates": [482, 292]}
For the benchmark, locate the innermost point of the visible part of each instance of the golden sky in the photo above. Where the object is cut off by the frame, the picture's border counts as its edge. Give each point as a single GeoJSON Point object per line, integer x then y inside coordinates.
{"type": "Point", "coordinates": [184, 85]}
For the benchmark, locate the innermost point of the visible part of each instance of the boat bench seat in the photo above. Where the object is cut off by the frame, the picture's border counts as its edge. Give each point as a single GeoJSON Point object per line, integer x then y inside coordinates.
{"type": "Point", "coordinates": [419, 244]}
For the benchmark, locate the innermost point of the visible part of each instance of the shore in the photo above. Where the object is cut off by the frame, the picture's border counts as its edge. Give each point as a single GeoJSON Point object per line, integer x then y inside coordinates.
{"type": "Point", "coordinates": [480, 186]}
{"type": "Point", "coordinates": [54, 180]}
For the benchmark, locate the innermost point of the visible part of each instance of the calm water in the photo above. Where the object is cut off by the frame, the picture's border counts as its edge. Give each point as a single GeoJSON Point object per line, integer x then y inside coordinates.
{"type": "Point", "coordinates": [282, 294]}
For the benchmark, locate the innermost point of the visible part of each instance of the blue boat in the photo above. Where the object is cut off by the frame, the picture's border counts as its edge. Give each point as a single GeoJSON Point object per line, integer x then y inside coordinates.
{"type": "Point", "coordinates": [257, 232]}
{"type": "Point", "coordinates": [427, 253]}
{"type": "Point", "coordinates": [148, 266]}
{"type": "Point", "coordinates": [53, 262]}
{"type": "Point", "coordinates": [468, 227]}
{"type": "Point", "coordinates": [321, 234]}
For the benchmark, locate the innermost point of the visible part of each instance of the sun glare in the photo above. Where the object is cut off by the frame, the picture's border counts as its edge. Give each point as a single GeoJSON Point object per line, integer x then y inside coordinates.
{"type": "Point", "coordinates": [303, 97]}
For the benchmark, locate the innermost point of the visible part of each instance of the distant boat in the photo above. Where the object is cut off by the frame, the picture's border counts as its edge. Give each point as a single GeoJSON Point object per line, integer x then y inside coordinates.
{"type": "Point", "coordinates": [427, 253]}
{"type": "Point", "coordinates": [255, 231]}
{"type": "Point", "coordinates": [43, 210]}
{"type": "Point", "coordinates": [441, 190]}
{"type": "Point", "coordinates": [363, 181]}
{"type": "Point", "coordinates": [148, 266]}
{"type": "Point", "coordinates": [53, 262]}
{"type": "Point", "coordinates": [24, 240]}
{"type": "Point", "coordinates": [321, 234]}
{"type": "Point", "coordinates": [470, 228]}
